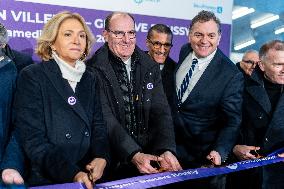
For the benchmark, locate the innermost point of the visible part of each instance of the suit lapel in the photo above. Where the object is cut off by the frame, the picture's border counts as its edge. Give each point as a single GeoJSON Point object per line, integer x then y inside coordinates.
{"type": "Point", "coordinates": [255, 87]}
{"type": "Point", "coordinates": [63, 88]}
{"type": "Point", "coordinates": [277, 117]}
{"type": "Point", "coordinates": [260, 96]}
{"type": "Point", "coordinates": [207, 77]}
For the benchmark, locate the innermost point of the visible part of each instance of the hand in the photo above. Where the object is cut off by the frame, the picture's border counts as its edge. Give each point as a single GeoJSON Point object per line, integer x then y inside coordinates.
{"type": "Point", "coordinates": [96, 169]}
{"type": "Point", "coordinates": [243, 152]}
{"type": "Point", "coordinates": [12, 176]}
{"type": "Point", "coordinates": [142, 162]}
{"type": "Point", "coordinates": [83, 178]}
{"type": "Point", "coordinates": [281, 155]}
{"type": "Point", "coordinates": [169, 162]}
{"type": "Point", "coordinates": [214, 157]}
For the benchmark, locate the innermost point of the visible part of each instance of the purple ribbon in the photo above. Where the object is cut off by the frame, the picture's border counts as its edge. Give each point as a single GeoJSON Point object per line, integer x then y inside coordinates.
{"type": "Point", "coordinates": [159, 179]}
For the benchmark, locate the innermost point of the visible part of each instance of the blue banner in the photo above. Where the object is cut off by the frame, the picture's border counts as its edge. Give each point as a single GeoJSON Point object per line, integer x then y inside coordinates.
{"type": "Point", "coordinates": [153, 180]}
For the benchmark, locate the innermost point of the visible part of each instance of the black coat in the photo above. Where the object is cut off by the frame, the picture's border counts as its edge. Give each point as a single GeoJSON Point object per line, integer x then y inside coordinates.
{"type": "Point", "coordinates": [262, 128]}
{"type": "Point", "coordinates": [59, 137]}
{"type": "Point", "coordinates": [210, 117]}
{"type": "Point", "coordinates": [154, 120]}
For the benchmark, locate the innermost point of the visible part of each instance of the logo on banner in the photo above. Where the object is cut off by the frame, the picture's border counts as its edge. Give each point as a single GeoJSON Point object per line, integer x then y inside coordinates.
{"type": "Point", "coordinates": [212, 8]}
{"type": "Point", "coordinates": [233, 166]}
{"type": "Point", "coordinates": [142, 1]}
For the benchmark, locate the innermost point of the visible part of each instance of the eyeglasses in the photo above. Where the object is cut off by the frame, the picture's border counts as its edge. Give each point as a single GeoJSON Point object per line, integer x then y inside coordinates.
{"type": "Point", "coordinates": [251, 62]}
{"type": "Point", "coordinates": [120, 34]}
{"type": "Point", "coordinates": [157, 44]}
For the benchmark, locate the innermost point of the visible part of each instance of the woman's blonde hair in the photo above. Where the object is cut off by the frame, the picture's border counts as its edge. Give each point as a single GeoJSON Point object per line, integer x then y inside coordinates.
{"type": "Point", "coordinates": [50, 32]}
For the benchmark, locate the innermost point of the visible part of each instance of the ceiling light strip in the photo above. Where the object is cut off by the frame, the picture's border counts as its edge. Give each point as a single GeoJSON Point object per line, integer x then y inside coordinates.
{"type": "Point", "coordinates": [245, 44]}
{"type": "Point", "coordinates": [264, 21]}
{"type": "Point", "coordinates": [242, 12]}
{"type": "Point", "coordinates": [279, 30]}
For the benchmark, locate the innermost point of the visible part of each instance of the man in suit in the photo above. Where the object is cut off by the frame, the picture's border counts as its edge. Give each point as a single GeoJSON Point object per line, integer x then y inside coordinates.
{"type": "Point", "coordinates": [248, 62]}
{"type": "Point", "coordinates": [207, 101]}
{"type": "Point", "coordinates": [263, 123]}
{"type": "Point", "coordinates": [159, 43]}
{"type": "Point", "coordinates": [134, 104]}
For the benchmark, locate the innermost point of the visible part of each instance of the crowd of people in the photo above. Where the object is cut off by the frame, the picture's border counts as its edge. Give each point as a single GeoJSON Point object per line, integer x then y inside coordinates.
{"type": "Point", "coordinates": [125, 112]}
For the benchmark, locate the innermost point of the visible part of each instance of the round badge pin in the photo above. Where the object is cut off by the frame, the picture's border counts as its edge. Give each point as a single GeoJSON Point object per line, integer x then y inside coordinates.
{"type": "Point", "coordinates": [150, 86]}
{"type": "Point", "coordinates": [71, 100]}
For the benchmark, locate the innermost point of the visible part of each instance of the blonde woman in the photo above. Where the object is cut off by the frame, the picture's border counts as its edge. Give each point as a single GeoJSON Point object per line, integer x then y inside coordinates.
{"type": "Point", "coordinates": [58, 110]}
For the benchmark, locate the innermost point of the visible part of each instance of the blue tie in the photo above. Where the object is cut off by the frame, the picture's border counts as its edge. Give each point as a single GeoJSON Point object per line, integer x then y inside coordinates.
{"type": "Point", "coordinates": [186, 80]}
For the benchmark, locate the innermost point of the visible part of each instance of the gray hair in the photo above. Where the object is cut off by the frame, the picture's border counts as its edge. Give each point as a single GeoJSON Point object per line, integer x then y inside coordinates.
{"type": "Point", "coordinates": [3, 34]}
{"type": "Point", "coordinates": [276, 45]}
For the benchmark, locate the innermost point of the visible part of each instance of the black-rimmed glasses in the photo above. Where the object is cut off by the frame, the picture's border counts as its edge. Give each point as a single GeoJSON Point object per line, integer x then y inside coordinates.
{"type": "Point", "coordinates": [157, 44]}
{"type": "Point", "coordinates": [120, 34]}
{"type": "Point", "coordinates": [251, 62]}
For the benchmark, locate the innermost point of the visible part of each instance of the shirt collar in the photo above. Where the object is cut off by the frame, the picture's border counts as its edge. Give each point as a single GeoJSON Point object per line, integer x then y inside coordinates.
{"type": "Point", "coordinates": [205, 59]}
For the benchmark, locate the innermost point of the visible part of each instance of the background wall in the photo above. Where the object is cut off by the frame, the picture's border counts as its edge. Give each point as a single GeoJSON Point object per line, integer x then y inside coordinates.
{"type": "Point", "coordinates": [24, 19]}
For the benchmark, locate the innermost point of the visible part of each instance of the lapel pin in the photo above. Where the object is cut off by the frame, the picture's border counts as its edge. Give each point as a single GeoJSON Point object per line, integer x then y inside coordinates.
{"type": "Point", "coordinates": [150, 86]}
{"type": "Point", "coordinates": [71, 100]}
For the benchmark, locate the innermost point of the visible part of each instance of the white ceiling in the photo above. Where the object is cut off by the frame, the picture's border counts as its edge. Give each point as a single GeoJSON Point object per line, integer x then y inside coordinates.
{"type": "Point", "coordinates": [241, 30]}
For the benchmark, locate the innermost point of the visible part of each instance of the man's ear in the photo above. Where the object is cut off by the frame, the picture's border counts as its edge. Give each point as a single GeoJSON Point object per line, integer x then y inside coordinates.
{"type": "Point", "coordinates": [105, 34]}
{"type": "Point", "coordinates": [261, 65]}
{"type": "Point", "coordinates": [147, 44]}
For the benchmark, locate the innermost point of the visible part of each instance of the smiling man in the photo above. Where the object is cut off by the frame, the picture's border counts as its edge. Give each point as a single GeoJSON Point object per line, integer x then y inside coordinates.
{"type": "Point", "coordinates": [249, 62]}
{"type": "Point", "coordinates": [134, 104]}
{"type": "Point", "coordinates": [159, 43]}
{"type": "Point", "coordinates": [206, 104]}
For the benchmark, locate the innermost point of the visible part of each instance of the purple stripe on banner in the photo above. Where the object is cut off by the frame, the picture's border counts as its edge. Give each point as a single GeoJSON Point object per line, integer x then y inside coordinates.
{"type": "Point", "coordinates": [153, 180]}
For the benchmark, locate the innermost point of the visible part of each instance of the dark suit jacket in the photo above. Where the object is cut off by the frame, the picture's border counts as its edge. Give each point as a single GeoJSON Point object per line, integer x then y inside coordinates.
{"type": "Point", "coordinates": [263, 128]}
{"type": "Point", "coordinates": [59, 137]}
{"type": "Point", "coordinates": [210, 117]}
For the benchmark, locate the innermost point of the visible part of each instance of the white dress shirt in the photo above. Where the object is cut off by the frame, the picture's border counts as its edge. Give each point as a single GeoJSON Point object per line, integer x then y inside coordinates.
{"type": "Point", "coordinates": [197, 73]}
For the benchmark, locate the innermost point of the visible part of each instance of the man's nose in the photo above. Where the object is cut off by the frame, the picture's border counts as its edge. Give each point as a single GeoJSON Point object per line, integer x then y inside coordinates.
{"type": "Point", "coordinates": [126, 37]}
{"type": "Point", "coordinates": [162, 49]}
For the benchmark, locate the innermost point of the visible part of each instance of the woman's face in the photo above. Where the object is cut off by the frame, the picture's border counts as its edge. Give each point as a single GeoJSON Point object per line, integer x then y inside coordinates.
{"type": "Point", "coordinates": [71, 40]}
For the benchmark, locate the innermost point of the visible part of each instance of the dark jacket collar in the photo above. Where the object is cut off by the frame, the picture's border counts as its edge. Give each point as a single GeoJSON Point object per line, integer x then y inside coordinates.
{"type": "Point", "coordinates": [254, 85]}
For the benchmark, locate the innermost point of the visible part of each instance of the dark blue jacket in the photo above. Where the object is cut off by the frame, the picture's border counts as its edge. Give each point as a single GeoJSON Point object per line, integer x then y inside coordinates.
{"type": "Point", "coordinates": [210, 117]}
{"type": "Point", "coordinates": [10, 153]}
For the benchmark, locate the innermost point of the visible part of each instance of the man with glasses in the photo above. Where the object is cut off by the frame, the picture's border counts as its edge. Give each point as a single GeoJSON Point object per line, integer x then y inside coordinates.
{"type": "Point", "coordinates": [159, 43]}
{"type": "Point", "coordinates": [207, 101]}
{"type": "Point", "coordinates": [249, 62]}
{"type": "Point", "coordinates": [134, 104]}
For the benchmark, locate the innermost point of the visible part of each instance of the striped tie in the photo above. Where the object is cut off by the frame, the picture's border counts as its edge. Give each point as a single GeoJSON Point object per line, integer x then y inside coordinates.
{"type": "Point", "coordinates": [186, 80]}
